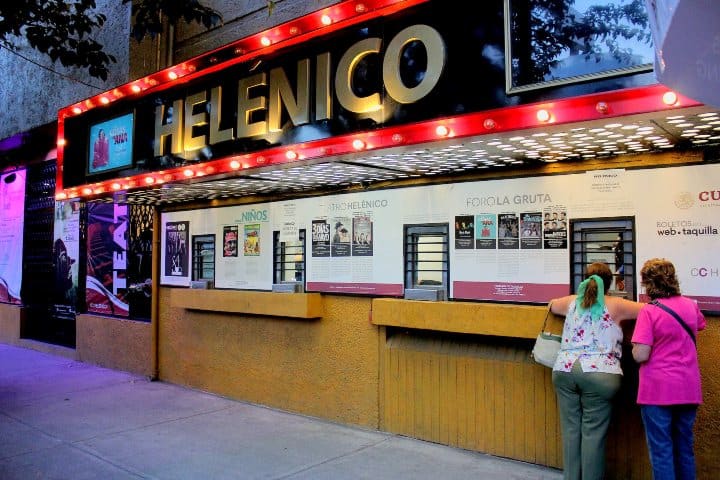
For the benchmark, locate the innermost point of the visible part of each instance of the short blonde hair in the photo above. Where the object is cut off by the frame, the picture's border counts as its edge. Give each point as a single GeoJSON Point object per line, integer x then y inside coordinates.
{"type": "Point", "coordinates": [659, 278]}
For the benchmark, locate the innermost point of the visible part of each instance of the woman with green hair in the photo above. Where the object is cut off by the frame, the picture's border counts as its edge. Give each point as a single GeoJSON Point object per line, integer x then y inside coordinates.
{"type": "Point", "coordinates": [587, 372]}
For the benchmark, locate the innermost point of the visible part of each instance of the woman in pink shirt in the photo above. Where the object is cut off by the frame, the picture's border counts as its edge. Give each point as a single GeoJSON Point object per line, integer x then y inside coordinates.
{"type": "Point", "coordinates": [669, 391]}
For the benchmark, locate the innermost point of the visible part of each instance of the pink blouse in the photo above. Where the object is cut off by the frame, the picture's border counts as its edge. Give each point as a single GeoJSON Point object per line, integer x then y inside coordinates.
{"type": "Point", "coordinates": [671, 376]}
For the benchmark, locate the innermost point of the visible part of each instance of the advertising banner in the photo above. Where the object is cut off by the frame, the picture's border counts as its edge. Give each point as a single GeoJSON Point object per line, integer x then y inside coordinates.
{"type": "Point", "coordinates": [66, 250]}
{"type": "Point", "coordinates": [107, 242]}
{"type": "Point", "coordinates": [12, 220]}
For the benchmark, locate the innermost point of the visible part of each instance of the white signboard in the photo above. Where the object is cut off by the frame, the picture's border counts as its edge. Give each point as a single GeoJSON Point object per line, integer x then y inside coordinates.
{"type": "Point", "coordinates": [509, 239]}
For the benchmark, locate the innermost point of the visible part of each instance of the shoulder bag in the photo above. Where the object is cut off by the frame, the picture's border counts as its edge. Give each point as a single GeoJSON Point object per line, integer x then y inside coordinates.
{"type": "Point", "coordinates": [547, 346]}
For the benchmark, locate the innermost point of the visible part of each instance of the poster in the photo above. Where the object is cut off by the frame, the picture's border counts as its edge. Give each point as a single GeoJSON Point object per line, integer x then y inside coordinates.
{"type": "Point", "coordinates": [508, 231]}
{"type": "Point", "coordinates": [485, 231]}
{"type": "Point", "coordinates": [107, 241]}
{"type": "Point", "coordinates": [531, 230]}
{"type": "Point", "coordinates": [230, 241]}
{"type": "Point", "coordinates": [177, 260]}
{"type": "Point", "coordinates": [251, 243]}
{"type": "Point", "coordinates": [362, 236]}
{"type": "Point", "coordinates": [111, 145]}
{"type": "Point", "coordinates": [66, 250]}
{"type": "Point", "coordinates": [12, 221]}
{"type": "Point", "coordinates": [320, 238]}
{"type": "Point", "coordinates": [340, 244]}
{"type": "Point", "coordinates": [464, 232]}
{"type": "Point", "coordinates": [555, 227]}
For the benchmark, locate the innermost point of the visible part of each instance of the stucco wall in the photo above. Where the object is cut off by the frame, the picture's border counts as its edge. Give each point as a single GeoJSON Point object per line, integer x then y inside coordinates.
{"type": "Point", "coordinates": [10, 320]}
{"type": "Point", "coordinates": [115, 343]}
{"type": "Point", "coordinates": [325, 367]}
{"type": "Point", "coordinates": [32, 95]}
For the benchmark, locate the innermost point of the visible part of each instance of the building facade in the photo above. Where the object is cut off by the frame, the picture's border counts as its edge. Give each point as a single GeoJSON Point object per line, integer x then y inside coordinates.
{"type": "Point", "coordinates": [359, 210]}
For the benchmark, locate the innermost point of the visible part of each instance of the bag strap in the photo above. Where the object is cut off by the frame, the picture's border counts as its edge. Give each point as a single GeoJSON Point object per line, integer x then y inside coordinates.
{"type": "Point", "coordinates": [677, 317]}
{"type": "Point", "coordinates": [547, 315]}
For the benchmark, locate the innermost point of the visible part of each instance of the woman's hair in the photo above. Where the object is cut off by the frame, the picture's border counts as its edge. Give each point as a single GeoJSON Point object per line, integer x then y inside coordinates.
{"type": "Point", "coordinates": [591, 292]}
{"type": "Point", "coordinates": [658, 277]}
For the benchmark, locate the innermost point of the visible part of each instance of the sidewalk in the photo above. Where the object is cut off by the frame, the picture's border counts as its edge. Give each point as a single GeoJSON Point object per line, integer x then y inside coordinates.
{"type": "Point", "coordinates": [61, 419]}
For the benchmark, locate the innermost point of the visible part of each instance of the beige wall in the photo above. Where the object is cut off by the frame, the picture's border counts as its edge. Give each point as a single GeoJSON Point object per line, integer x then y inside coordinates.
{"type": "Point", "coordinates": [115, 343]}
{"type": "Point", "coordinates": [325, 367]}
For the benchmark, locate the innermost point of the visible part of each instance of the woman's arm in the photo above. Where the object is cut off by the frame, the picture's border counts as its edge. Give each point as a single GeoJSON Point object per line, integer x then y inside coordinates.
{"type": "Point", "coordinates": [641, 352]}
{"type": "Point", "coordinates": [559, 306]}
{"type": "Point", "coordinates": [622, 310]}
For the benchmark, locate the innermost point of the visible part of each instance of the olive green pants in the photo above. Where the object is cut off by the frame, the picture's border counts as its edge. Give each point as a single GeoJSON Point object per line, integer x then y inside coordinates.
{"type": "Point", "coordinates": [585, 404]}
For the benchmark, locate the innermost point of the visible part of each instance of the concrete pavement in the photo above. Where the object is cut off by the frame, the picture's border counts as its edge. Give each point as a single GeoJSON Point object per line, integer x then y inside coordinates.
{"type": "Point", "coordinates": [62, 419]}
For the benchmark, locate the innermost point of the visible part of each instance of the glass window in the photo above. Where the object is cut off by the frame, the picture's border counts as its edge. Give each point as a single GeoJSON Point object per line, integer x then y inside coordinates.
{"type": "Point", "coordinates": [203, 257]}
{"type": "Point", "coordinates": [426, 256]}
{"type": "Point", "coordinates": [567, 41]}
{"type": "Point", "coordinates": [289, 259]}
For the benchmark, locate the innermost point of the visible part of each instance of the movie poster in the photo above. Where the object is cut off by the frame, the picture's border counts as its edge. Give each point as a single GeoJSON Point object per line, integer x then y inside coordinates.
{"type": "Point", "coordinates": [66, 249]}
{"type": "Point", "coordinates": [340, 244]}
{"type": "Point", "coordinates": [485, 231]}
{"type": "Point", "coordinates": [530, 230]}
{"type": "Point", "coordinates": [508, 231]}
{"type": "Point", "coordinates": [107, 241]}
{"type": "Point", "coordinates": [555, 228]}
{"type": "Point", "coordinates": [464, 232]}
{"type": "Point", "coordinates": [177, 260]}
{"type": "Point", "coordinates": [320, 238]}
{"type": "Point", "coordinates": [12, 220]}
{"type": "Point", "coordinates": [230, 241]}
{"type": "Point", "coordinates": [362, 245]}
{"type": "Point", "coordinates": [251, 244]}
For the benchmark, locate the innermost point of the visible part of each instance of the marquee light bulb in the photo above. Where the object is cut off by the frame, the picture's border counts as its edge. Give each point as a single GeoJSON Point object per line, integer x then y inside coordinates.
{"type": "Point", "coordinates": [188, 172]}
{"type": "Point", "coordinates": [77, 110]}
{"type": "Point", "coordinates": [543, 115]}
{"type": "Point", "coordinates": [104, 100]}
{"type": "Point", "coordinates": [136, 88]}
{"type": "Point", "coordinates": [326, 20]}
{"type": "Point", "coordinates": [670, 98]}
{"type": "Point", "coordinates": [172, 75]}
{"type": "Point", "coordinates": [235, 165]}
{"type": "Point", "coordinates": [358, 144]}
{"type": "Point", "coordinates": [265, 41]}
{"type": "Point", "coordinates": [291, 155]}
{"type": "Point", "coordinates": [442, 131]}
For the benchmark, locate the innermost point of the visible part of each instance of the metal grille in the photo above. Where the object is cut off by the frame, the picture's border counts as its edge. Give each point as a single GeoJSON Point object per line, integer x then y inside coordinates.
{"type": "Point", "coordinates": [611, 241]}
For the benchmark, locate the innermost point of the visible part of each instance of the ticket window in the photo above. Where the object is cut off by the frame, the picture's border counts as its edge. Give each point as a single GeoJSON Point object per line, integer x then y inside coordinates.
{"type": "Point", "coordinates": [608, 240]}
{"type": "Point", "coordinates": [289, 259]}
{"type": "Point", "coordinates": [203, 258]}
{"type": "Point", "coordinates": [427, 256]}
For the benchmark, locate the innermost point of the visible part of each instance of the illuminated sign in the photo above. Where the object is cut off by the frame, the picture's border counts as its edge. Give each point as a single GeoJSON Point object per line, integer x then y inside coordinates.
{"type": "Point", "coordinates": [111, 145]}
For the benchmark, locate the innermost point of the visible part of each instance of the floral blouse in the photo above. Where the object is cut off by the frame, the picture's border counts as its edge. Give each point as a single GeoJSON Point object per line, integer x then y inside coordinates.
{"type": "Point", "coordinates": [597, 344]}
